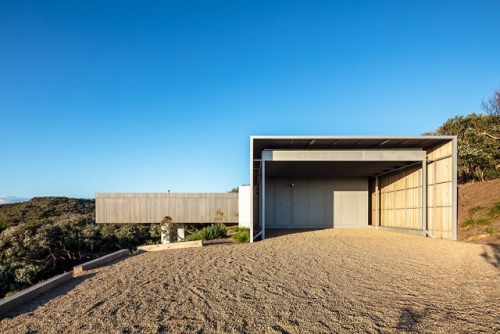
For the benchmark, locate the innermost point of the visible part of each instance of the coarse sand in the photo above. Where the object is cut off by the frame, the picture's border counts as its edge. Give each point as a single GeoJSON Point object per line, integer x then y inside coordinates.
{"type": "Point", "coordinates": [326, 281]}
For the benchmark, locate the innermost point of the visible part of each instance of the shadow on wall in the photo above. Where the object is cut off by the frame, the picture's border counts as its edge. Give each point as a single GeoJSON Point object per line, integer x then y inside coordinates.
{"type": "Point", "coordinates": [492, 255]}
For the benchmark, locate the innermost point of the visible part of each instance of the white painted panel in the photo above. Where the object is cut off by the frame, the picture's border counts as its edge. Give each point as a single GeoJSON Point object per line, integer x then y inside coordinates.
{"type": "Point", "coordinates": [244, 193]}
{"type": "Point", "coordinates": [350, 202]}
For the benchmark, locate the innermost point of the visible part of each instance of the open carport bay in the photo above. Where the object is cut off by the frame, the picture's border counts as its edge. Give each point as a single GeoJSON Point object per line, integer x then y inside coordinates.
{"type": "Point", "coordinates": [405, 184]}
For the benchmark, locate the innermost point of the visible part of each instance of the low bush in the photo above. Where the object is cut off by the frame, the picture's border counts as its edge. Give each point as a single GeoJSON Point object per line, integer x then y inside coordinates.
{"type": "Point", "coordinates": [491, 229]}
{"type": "Point", "coordinates": [208, 233]}
{"type": "Point", "coordinates": [495, 210]}
{"type": "Point", "coordinates": [243, 235]}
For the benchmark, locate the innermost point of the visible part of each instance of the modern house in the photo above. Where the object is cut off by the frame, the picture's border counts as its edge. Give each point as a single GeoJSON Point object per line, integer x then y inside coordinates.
{"type": "Point", "coordinates": [402, 184]}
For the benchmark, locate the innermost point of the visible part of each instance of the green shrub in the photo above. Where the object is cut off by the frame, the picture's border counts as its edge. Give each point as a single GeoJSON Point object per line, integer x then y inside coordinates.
{"type": "Point", "coordinates": [243, 235]}
{"type": "Point", "coordinates": [234, 228]}
{"type": "Point", "coordinates": [495, 210]}
{"type": "Point", "coordinates": [491, 229]}
{"type": "Point", "coordinates": [208, 233]}
{"type": "Point", "coordinates": [169, 228]}
{"type": "Point", "coordinates": [475, 222]}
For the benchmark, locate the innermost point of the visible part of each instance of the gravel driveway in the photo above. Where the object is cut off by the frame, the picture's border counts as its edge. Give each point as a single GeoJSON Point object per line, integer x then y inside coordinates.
{"type": "Point", "coordinates": [334, 280]}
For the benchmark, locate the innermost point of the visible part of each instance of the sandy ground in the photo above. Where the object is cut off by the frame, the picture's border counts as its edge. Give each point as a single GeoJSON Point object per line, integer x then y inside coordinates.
{"type": "Point", "coordinates": [478, 194]}
{"type": "Point", "coordinates": [342, 280]}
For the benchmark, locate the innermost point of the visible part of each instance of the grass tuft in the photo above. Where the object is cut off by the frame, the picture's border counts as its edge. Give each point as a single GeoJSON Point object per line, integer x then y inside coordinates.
{"type": "Point", "coordinates": [495, 210]}
{"type": "Point", "coordinates": [491, 229]}
{"type": "Point", "coordinates": [475, 209]}
{"type": "Point", "coordinates": [475, 222]}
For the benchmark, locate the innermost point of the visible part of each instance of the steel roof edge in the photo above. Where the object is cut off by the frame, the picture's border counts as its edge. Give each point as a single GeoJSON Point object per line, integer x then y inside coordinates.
{"type": "Point", "coordinates": [351, 137]}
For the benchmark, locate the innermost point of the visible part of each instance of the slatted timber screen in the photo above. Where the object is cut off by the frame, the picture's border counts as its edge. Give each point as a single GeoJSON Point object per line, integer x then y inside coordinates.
{"type": "Point", "coordinates": [400, 199]}
{"type": "Point", "coordinates": [122, 208]}
{"type": "Point", "coordinates": [440, 191]}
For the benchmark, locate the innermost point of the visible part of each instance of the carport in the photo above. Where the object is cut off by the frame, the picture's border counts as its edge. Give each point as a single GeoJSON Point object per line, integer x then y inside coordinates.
{"type": "Point", "coordinates": [403, 184]}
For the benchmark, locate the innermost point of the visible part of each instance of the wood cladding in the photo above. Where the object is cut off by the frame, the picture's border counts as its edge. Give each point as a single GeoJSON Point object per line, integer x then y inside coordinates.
{"type": "Point", "coordinates": [401, 195]}
{"type": "Point", "coordinates": [122, 208]}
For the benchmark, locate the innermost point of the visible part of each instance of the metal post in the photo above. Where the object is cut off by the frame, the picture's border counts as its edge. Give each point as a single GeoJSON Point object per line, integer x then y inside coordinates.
{"type": "Point", "coordinates": [377, 213]}
{"type": "Point", "coordinates": [263, 199]}
{"type": "Point", "coordinates": [424, 195]}
{"type": "Point", "coordinates": [435, 200]}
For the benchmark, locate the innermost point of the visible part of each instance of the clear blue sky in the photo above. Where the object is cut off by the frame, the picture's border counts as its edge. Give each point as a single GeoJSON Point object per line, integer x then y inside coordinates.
{"type": "Point", "coordinates": [147, 96]}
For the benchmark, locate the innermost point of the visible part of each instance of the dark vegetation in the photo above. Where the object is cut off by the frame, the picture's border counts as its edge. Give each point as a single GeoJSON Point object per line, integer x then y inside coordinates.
{"type": "Point", "coordinates": [49, 235]}
{"type": "Point", "coordinates": [478, 141]}
{"type": "Point", "coordinates": [214, 231]}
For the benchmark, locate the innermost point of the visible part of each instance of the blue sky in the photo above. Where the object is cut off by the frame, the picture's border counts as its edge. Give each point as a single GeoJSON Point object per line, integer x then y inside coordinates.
{"type": "Point", "coordinates": [150, 96]}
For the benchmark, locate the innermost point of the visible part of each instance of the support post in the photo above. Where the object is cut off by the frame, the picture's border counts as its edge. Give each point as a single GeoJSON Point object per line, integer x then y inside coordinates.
{"type": "Point", "coordinates": [424, 195]}
{"type": "Point", "coordinates": [377, 211]}
{"type": "Point", "coordinates": [263, 199]}
{"type": "Point", "coordinates": [434, 214]}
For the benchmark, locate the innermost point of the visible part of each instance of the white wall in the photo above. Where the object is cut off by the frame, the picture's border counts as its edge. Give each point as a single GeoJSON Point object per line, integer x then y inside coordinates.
{"type": "Point", "coordinates": [244, 193]}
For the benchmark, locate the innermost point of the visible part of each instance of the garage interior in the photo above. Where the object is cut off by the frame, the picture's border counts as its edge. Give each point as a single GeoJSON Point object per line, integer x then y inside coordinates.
{"type": "Point", "coordinates": [402, 184]}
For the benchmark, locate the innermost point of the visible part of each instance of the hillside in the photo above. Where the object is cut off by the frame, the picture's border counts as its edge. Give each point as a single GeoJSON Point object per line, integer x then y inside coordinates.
{"type": "Point", "coordinates": [48, 235]}
{"type": "Point", "coordinates": [57, 209]}
{"type": "Point", "coordinates": [479, 212]}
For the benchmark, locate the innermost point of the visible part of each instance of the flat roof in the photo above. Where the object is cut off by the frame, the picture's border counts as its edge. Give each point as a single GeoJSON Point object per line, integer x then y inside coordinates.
{"type": "Point", "coordinates": [325, 169]}
{"type": "Point", "coordinates": [261, 143]}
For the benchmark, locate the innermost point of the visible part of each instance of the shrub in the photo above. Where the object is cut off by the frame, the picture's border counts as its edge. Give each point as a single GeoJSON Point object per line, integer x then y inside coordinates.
{"type": "Point", "coordinates": [491, 229]}
{"type": "Point", "coordinates": [495, 210]}
{"type": "Point", "coordinates": [169, 228]}
{"type": "Point", "coordinates": [208, 233]}
{"type": "Point", "coordinates": [234, 228]}
{"type": "Point", "coordinates": [243, 235]}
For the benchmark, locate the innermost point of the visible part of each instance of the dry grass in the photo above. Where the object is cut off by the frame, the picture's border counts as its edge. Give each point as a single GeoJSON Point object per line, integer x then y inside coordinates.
{"type": "Point", "coordinates": [336, 280]}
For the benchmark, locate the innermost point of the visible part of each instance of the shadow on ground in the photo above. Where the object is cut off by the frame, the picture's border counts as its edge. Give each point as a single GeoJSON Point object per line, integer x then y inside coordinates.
{"type": "Point", "coordinates": [409, 319]}
{"type": "Point", "coordinates": [491, 254]}
{"type": "Point", "coordinates": [276, 233]}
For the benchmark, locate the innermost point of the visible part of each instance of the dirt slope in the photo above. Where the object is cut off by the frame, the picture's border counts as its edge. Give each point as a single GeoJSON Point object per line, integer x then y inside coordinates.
{"type": "Point", "coordinates": [474, 201]}
{"type": "Point", "coordinates": [329, 281]}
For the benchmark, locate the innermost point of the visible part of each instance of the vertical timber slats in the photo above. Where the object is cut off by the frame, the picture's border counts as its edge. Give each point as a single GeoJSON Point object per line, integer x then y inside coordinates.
{"type": "Point", "coordinates": [400, 199]}
{"type": "Point", "coordinates": [118, 208]}
{"type": "Point", "coordinates": [440, 193]}
{"type": "Point", "coordinates": [400, 195]}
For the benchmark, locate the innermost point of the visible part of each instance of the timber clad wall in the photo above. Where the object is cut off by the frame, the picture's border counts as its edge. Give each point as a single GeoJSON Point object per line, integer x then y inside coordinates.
{"type": "Point", "coordinates": [440, 191]}
{"type": "Point", "coordinates": [400, 199]}
{"type": "Point", "coordinates": [118, 208]}
{"type": "Point", "coordinates": [400, 196]}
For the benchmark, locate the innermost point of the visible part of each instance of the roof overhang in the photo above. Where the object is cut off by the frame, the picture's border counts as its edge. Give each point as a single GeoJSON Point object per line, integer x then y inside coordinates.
{"type": "Point", "coordinates": [327, 156]}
